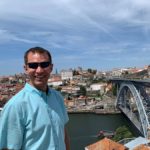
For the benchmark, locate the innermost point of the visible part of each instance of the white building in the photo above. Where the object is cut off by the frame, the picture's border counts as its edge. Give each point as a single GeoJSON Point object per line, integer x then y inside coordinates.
{"type": "Point", "coordinates": [98, 86]}
{"type": "Point", "coordinates": [67, 74]}
{"type": "Point", "coordinates": [55, 80]}
{"type": "Point", "coordinates": [55, 83]}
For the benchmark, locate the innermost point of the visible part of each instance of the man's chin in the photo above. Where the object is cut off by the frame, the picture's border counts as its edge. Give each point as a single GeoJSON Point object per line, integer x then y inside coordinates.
{"type": "Point", "coordinates": [39, 83]}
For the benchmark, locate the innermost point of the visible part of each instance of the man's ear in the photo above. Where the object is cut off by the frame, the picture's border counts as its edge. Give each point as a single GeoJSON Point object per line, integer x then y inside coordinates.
{"type": "Point", "coordinates": [51, 67]}
{"type": "Point", "coordinates": [25, 68]}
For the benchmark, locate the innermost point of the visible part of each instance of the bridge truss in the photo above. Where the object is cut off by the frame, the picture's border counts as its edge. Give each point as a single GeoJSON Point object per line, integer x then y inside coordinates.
{"type": "Point", "coordinates": [134, 101]}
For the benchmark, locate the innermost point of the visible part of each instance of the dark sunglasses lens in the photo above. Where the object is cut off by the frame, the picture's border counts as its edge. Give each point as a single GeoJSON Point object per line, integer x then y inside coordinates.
{"type": "Point", "coordinates": [33, 65]}
{"type": "Point", "coordinates": [45, 64]}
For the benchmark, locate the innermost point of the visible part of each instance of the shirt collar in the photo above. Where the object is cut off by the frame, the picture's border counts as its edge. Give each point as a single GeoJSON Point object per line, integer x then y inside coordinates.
{"type": "Point", "coordinates": [31, 88]}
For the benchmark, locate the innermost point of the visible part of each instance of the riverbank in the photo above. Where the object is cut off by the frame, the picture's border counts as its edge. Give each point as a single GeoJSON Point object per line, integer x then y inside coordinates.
{"type": "Point", "coordinates": [95, 111]}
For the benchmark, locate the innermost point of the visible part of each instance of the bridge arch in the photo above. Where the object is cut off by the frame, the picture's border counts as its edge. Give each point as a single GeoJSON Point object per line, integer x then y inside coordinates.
{"type": "Point", "coordinates": [141, 120]}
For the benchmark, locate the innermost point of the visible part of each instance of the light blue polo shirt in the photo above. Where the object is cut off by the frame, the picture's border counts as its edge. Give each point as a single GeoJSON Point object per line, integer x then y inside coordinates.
{"type": "Point", "coordinates": [33, 120]}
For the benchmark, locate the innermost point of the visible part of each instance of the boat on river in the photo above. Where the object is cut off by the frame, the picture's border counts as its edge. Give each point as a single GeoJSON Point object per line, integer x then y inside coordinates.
{"type": "Point", "coordinates": [106, 133]}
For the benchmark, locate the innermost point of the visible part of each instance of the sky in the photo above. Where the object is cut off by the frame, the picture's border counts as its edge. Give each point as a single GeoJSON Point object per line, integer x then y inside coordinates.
{"type": "Point", "coordinates": [98, 34]}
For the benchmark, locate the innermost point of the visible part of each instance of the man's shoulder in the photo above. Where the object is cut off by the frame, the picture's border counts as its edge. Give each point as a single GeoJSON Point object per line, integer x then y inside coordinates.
{"type": "Point", "coordinates": [17, 99]}
{"type": "Point", "coordinates": [21, 94]}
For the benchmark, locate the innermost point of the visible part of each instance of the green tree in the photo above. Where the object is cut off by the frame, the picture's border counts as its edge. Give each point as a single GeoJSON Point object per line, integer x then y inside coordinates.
{"type": "Point", "coordinates": [75, 72]}
{"type": "Point", "coordinates": [82, 91]}
{"type": "Point", "coordinates": [94, 71]}
{"type": "Point", "coordinates": [89, 70]}
{"type": "Point", "coordinates": [114, 90]}
{"type": "Point", "coordinates": [122, 133]}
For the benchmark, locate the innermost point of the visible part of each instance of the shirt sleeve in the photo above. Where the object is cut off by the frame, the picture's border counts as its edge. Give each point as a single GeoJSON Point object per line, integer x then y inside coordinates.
{"type": "Point", "coordinates": [11, 128]}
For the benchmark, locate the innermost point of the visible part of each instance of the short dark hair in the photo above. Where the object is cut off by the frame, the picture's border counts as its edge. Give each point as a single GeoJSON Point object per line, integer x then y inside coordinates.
{"type": "Point", "coordinates": [39, 50]}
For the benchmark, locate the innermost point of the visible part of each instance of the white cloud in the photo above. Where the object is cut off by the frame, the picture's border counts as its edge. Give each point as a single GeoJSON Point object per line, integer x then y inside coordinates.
{"type": "Point", "coordinates": [6, 36]}
{"type": "Point", "coordinates": [77, 30]}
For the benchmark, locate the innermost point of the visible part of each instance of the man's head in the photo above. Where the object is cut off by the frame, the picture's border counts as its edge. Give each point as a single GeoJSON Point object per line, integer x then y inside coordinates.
{"type": "Point", "coordinates": [38, 50]}
{"type": "Point", "coordinates": [38, 66]}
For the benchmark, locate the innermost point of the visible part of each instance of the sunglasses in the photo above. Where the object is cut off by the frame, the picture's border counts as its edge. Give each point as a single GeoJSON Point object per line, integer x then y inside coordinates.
{"type": "Point", "coordinates": [35, 65]}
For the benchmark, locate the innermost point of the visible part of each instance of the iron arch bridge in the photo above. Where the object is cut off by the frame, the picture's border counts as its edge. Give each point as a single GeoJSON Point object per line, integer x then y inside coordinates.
{"type": "Point", "coordinates": [134, 101]}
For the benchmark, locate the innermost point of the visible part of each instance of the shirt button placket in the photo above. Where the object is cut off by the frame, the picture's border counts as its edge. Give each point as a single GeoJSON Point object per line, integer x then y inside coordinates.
{"type": "Point", "coordinates": [54, 129]}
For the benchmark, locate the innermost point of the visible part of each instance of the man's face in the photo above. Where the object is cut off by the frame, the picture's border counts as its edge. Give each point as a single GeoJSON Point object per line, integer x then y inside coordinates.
{"type": "Point", "coordinates": [38, 75]}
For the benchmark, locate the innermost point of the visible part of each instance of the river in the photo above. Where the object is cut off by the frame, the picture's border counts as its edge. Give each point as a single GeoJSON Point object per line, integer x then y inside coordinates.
{"type": "Point", "coordinates": [83, 128]}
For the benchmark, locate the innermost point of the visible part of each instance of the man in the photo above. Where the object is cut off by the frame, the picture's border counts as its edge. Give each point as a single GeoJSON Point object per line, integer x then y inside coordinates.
{"type": "Point", "coordinates": [35, 118]}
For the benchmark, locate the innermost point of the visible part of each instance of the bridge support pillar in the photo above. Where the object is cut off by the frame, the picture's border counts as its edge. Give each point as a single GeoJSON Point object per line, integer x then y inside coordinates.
{"type": "Point", "coordinates": [148, 133]}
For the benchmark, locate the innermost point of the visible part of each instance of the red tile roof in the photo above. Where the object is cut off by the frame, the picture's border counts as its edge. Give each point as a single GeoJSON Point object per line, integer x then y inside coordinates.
{"type": "Point", "coordinates": [106, 144]}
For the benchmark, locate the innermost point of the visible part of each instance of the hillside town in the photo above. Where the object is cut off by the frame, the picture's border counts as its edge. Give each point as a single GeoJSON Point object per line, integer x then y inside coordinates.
{"type": "Point", "coordinates": [83, 90]}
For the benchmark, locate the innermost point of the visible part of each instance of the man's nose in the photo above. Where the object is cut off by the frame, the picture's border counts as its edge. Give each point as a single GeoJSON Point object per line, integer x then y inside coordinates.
{"type": "Point", "coordinates": [39, 69]}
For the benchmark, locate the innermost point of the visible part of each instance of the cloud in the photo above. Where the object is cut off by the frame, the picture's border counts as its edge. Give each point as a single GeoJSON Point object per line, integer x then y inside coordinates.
{"type": "Point", "coordinates": [6, 36]}
{"type": "Point", "coordinates": [78, 31]}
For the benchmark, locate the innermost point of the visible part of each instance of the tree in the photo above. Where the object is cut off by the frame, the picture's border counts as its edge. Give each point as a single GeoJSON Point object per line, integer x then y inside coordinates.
{"type": "Point", "coordinates": [82, 91]}
{"type": "Point", "coordinates": [114, 90]}
{"type": "Point", "coordinates": [75, 72]}
{"type": "Point", "coordinates": [122, 133]}
{"type": "Point", "coordinates": [94, 71]}
{"type": "Point", "coordinates": [89, 70]}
